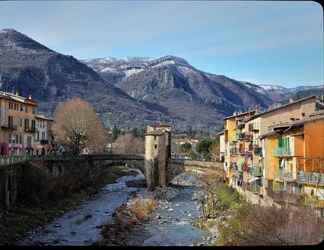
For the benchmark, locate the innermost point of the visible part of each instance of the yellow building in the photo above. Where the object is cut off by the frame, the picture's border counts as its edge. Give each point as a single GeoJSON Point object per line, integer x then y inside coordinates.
{"type": "Point", "coordinates": [236, 155]}
{"type": "Point", "coordinates": [18, 124]}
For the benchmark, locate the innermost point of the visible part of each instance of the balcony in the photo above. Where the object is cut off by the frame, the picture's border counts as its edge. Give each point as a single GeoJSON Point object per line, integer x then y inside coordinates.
{"type": "Point", "coordinates": [257, 150]}
{"type": "Point", "coordinates": [240, 125]}
{"type": "Point", "coordinates": [312, 178]}
{"type": "Point", "coordinates": [282, 152]}
{"type": "Point", "coordinates": [234, 152]}
{"type": "Point", "coordinates": [256, 171]}
{"type": "Point", "coordinates": [240, 136]}
{"type": "Point", "coordinates": [283, 175]}
{"type": "Point", "coordinates": [9, 126]}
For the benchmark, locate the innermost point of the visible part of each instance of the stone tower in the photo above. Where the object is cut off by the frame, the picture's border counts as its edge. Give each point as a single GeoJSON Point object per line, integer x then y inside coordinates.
{"type": "Point", "coordinates": [157, 154]}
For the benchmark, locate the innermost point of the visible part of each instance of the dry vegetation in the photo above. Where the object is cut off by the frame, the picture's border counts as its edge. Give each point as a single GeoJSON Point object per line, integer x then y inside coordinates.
{"type": "Point", "coordinates": [78, 127]}
{"type": "Point", "coordinates": [240, 223]}
{"type": "Point", "coordinates": [128, 218]}
{"type": "Point", "coordinates": [254, 225]}
{"type": "Point", "coordinates": [128, 144]}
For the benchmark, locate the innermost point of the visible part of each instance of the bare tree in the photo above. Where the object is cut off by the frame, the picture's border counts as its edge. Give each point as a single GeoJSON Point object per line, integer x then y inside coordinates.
{"type": "Point", "coordinates": [77, 126]}
{"type": "Point", "coordinates": [128, 144]}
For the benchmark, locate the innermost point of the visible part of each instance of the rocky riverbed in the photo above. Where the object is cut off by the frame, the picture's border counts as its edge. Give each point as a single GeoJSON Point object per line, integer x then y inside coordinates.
{"type": "Point", "coordinates": [170, 224]}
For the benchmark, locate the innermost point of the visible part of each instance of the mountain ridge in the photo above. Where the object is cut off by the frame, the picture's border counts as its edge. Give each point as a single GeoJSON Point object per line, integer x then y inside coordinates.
{"type": "Point", "coordinates": [134, 90]}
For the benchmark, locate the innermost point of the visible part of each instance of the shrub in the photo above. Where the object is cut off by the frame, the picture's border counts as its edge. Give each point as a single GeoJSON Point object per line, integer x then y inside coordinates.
{"type": "Point", "coordinates": [255, 225]}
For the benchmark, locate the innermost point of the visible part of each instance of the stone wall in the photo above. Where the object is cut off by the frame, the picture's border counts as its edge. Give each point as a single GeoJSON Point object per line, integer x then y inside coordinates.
{"type": "Point", "coordinates": [177, 167]}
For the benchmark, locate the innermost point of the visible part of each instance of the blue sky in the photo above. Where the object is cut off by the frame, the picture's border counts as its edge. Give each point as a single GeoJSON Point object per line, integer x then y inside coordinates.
{"type": "Point", "coordinates": [262, 42]}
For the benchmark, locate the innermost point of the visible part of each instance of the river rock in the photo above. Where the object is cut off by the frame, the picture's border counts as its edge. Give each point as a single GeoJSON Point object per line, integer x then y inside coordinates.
{"type": "Point", "coordinates": [165, 193]}
{"type": "Point", "coordinates": [185, 179]}
{"type": "Point", "coordinates": [141, 183]}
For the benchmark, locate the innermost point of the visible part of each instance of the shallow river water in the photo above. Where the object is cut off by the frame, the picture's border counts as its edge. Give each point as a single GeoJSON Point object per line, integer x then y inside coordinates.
{"type": "Point", "coordinates": [170, 224]}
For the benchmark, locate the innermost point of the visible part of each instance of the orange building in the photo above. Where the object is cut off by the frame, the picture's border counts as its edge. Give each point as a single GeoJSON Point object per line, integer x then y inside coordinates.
{"type": "Point", "coordinates": [296, 163]}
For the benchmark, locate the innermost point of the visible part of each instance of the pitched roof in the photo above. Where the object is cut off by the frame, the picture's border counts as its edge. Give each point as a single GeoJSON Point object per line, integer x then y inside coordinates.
{"type": "Point", "coordinates": [240, 114]}
{"type": "Point", "coordinates": [17, 98]}
{"type": "Point", "coordinates": [283, 106]}
{"type": "Point", "coordinates": [40, 116]}
{"type": "Point", "coordinates": [319, 115]}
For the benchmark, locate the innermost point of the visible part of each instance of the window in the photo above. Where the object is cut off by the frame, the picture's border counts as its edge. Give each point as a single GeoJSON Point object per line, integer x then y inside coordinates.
{"type": "Point", "coordinates": [29, 141]}
{"type": "Point", "coordinates": [20, 122]}
{"type": "Point", "coordinates": [33, 124]}
{"type": "Point", "coordinates": [10, 121]}
{"type": "Point", "coordinates": [10, 138]}
{"type": "Point", "coordinates": [26, 124]}
{"type": "Point", "coordinates": [26, 109]}
{"type": "Point", "coordinates": [155, 146]}
{"type": "Point", "coordinates": [34, 110]}
{"type": "Point", "coordinates": [21, 107]}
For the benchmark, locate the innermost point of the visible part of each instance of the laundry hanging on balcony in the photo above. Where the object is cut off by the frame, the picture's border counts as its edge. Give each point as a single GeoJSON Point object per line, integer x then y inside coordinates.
{"type": "Point", "coordinates": [254, 179]}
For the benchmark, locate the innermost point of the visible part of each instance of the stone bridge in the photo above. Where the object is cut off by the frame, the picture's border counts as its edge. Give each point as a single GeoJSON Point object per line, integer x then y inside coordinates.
{"type": "Point", "coordinates": [156, 164]}
{"type": "Point", "coordinates": [56, 166]}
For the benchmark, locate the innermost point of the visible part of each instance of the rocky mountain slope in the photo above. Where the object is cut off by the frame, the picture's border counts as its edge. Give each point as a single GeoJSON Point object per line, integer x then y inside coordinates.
{"type": "Point", "coordinates": [182, 90]}
{"type": "Point", "coordinates": [31, 68]}
{"type": "Point", "coordinates": [131, 91]}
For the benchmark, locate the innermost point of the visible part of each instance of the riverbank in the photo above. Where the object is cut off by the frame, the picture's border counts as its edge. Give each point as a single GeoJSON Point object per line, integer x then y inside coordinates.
{"type": "Point", "coordinates": [22, 218]}
{"type": "Point", "coordinates": [240, 223]}
{"type": "Point", "coordinates": [170, 223]}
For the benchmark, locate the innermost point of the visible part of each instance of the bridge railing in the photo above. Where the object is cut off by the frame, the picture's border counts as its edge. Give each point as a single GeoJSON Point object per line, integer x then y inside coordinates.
{"type": "Point", "coordinates": [14, 159]}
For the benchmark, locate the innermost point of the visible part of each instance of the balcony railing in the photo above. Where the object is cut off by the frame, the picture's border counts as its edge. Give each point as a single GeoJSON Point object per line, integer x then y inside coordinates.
{"type": "Point", "coordinates": [283, 175]}
{"type": "Point", "coordinates": [9, 126]}
{"type": "Point", "coordinates": [256, 171]}
{"type": "Point", "coordinates": [257, 150]}
{"type": "Point", "coordinates": [240, 136]}
{"type": "Point", "coordinates": [311, 178]}
{"type": "Point", "coordinates": [280, 151]}
{"type": "Point", "coordinates": [234, 151]}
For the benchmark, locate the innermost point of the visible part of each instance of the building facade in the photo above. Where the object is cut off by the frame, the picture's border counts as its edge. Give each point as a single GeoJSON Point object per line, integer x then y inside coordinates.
{"type": "Point", "coordinates": [264, 151]}
{"type": "Point", "coordinates": [43, 136]}
{"type": "Point", "coordinates": [18, 117]}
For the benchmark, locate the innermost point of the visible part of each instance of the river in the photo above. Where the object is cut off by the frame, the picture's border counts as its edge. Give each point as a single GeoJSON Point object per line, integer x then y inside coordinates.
{"type": "Point", "coordinates": [169, 225]}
